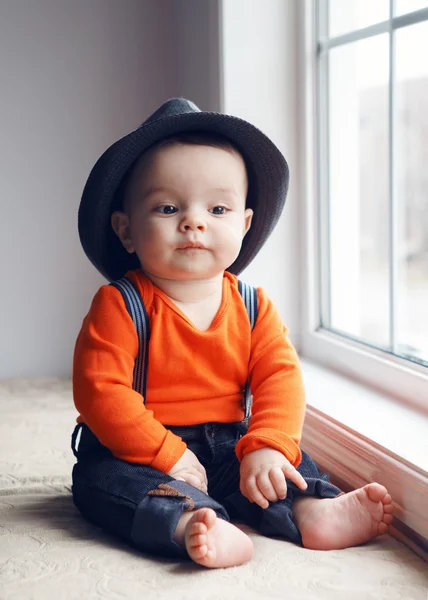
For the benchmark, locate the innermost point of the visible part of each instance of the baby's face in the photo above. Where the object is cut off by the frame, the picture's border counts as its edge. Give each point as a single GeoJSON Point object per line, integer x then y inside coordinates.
{"type": "Point", "coordinates": [187, 215]}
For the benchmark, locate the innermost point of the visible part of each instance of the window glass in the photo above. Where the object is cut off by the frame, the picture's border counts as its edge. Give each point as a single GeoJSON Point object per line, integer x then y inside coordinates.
{"type": "Point", "coordinates": [411, 159]}
{"type": "Point", "coordinates": [346, 15]}
{"type": "Point", "coordinates": [405, 6]}
{"type": "Point", "coordinates": [359, 190]}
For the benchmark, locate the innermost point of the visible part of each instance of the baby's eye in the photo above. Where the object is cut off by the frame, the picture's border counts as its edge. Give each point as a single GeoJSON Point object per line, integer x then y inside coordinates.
{"type": "Point", "coordinates": [166, 209]}
{"type": "Point", "coordinates": [219, 210]}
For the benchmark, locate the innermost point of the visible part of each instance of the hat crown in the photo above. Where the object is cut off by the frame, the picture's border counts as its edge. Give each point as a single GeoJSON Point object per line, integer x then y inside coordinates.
{"type": "Point", "coordinates": [172, 108]}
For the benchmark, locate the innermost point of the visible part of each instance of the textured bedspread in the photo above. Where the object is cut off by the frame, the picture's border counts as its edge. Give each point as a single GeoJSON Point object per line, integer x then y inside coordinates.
{"type": "Point", "coordinates": [48, 552]}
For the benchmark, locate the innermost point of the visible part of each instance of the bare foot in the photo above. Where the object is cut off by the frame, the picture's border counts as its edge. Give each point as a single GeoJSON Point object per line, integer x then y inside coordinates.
{"type": "Point", "coordinates": [213, 542]}
{"type": "Point", "coordinates": [344, 521]}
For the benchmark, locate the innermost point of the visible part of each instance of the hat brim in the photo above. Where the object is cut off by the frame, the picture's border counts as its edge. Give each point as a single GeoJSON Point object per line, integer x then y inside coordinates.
{"type": "Point", "coordinates": [268, 176]}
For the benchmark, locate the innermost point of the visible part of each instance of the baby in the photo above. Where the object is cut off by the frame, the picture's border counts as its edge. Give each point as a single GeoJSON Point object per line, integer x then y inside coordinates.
{"type": "Point", "coordinates": [189, 392]}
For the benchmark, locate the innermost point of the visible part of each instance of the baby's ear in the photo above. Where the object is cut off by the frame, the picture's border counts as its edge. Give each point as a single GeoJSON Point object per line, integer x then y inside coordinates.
{"type": "Point", "coordinates": [120, 224]}
{"type": "Point", "coordinates": [248, 215]}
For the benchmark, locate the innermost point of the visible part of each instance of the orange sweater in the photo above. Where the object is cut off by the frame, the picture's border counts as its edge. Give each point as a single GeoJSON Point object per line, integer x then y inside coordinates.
{"type": "Point", "coordinates": [193, 376]}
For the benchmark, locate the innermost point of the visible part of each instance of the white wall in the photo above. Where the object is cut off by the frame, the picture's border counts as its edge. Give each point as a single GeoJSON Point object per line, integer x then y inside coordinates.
{"type": "Point", "coordinates": [197, 43]}
{"type": "Point", "coordinates": [75, 76]}
{"type": "Point", "coordinates": [260, 84]}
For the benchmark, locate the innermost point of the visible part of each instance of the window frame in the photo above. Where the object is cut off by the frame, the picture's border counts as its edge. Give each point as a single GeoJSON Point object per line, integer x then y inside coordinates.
{"type": "Point", "coordinates": [397, 377]}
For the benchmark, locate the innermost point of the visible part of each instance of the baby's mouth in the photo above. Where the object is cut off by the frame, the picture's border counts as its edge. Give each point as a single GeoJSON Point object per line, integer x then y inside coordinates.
{"type": "Point", "coordinates": [192, 246]}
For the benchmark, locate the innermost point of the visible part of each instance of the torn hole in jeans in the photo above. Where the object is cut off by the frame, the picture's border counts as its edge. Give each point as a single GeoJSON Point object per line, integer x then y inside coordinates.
{"type": "Point", "coordinates": [164, 489]}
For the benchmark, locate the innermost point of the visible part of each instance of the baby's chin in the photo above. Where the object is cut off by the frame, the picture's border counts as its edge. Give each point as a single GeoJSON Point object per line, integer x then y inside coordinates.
{"type": "Point", "coordinates": [188, 270]}
{"type": "Point", "coordinates": [180, 274]}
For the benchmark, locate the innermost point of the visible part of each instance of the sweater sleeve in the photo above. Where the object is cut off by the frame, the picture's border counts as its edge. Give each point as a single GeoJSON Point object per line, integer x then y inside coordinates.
{"type": "Point", "coordinates": [102, 387]}
{"type": "Point", "coordinates": [277, 388]}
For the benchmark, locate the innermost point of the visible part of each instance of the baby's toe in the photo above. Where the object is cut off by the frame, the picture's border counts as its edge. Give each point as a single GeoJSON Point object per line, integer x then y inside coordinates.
{"type": "Point", "coordinates": [208, 517]}
{"type": "Point", "coordinates": [199, 552]}
{"type": "Point", "coordinates": [198, 540]}
{"type": "Point", "coordinates": [197, 529]}
{"type": "Point", "coordinates": [376, 492]}
{"type": "Point", "coordinates": [383, 528]}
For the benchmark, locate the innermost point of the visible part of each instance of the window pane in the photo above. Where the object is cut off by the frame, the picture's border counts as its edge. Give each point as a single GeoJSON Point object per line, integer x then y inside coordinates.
{"type": "Point", "coordinates": [405, 6]}
{"type": "Point", "coordinates": [347, 15]}
{"type": "Point", "coordinates": [358, 189]}
{"type": "Point", "coordinates": [412, 188]}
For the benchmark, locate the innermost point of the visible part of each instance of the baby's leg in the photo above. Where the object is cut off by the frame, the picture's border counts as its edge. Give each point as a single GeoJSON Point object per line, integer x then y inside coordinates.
{"type": "Point", "coordinates": [320, 517]}
{"type": "Point", "coordinates": [347, 520]}
{"type": "Point", "coordinates": [211, 541]}
{"type": "Point", "coordinates": [135, 502]}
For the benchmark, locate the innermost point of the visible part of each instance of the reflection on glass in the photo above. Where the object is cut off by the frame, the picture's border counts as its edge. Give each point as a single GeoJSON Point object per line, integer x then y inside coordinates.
{"type": "Point", "coordinates": [406, 6]}
{"type": "Point", "coordinates": [347, 15]}
{"type": "Point", "coordinates": [411, 151]}
{"type": "Point", "coordinates": [358, 189]}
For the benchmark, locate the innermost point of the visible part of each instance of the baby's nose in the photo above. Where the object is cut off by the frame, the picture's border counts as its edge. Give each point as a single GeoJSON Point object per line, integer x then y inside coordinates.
{"type": "Point", "coordinates": [193, 221]}
{"type": "Point", "coordinates": [191, 226]}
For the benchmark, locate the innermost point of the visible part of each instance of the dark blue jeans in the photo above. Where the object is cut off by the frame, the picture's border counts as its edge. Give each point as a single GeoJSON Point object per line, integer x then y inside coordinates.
{"type": "Point", "coordinates": [143, 506]}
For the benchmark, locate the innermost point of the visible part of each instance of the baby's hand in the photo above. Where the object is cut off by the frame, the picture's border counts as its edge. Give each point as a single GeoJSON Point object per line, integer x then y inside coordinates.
{"type": "Point", "coordinates": [189, 469]}
{"type": "Point", "coordinates": [263, 474]}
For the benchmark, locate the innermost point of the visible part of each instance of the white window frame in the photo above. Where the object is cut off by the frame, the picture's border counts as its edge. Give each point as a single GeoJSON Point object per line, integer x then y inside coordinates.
{"type": "Point", "coordinates": [398, 377]}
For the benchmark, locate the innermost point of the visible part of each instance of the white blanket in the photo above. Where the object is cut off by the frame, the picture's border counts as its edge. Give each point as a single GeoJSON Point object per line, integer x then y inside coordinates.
{"type": "Point", "coordinates": [48, 552]}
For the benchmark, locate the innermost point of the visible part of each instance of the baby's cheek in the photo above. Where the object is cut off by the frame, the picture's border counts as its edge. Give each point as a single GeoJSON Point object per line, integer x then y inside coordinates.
{"type": "Point", "coordinates": [232, 240]}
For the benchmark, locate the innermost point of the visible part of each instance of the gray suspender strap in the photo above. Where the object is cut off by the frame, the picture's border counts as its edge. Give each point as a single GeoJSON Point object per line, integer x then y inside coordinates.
{"type": "Point", "coordinates": [138, 314]}
{"type": "Point", "coordinates": [249, 296]}
{"type": "Point", "coordinates": [137, 311]}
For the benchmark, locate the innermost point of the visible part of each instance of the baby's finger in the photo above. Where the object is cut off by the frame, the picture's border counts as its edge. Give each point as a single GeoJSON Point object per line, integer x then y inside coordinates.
{"type": "Point", "coordinates": [278, 481]}
{"type": "Point", "coordinates": [196, 482]}
{"type": "Point", "coordinates": [202, 482]}
{"type": "Point", "coordinates": [192, 479]}
{"type": "Point", "coordinates": [254, 494]}
{"type": "Point", "coordinates": [265, 486]}
{"type": "Point", "coordinates": [202, 470]}
{"type": "Point", "coordinates": [291, 473]}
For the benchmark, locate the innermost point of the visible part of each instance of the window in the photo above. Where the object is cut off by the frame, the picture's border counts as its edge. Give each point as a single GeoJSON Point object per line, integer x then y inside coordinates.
{"type": "Point", "coordinates": [373, 173]}
{"type": "Point", "coordinates": [364, 181]}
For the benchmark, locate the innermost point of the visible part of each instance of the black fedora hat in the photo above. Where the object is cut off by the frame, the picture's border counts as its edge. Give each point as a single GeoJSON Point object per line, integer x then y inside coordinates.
{"type": "Point", "coordinates": [267, 169]}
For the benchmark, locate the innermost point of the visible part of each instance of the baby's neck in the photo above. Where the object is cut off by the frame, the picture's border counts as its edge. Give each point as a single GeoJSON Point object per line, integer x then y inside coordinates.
{"type": "Point", "coordinates": [189, 291]}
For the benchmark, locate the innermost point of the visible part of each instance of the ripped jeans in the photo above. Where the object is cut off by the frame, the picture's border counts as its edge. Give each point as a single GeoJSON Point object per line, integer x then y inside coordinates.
{"type": "Point", "coordinates": [142, 506]}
